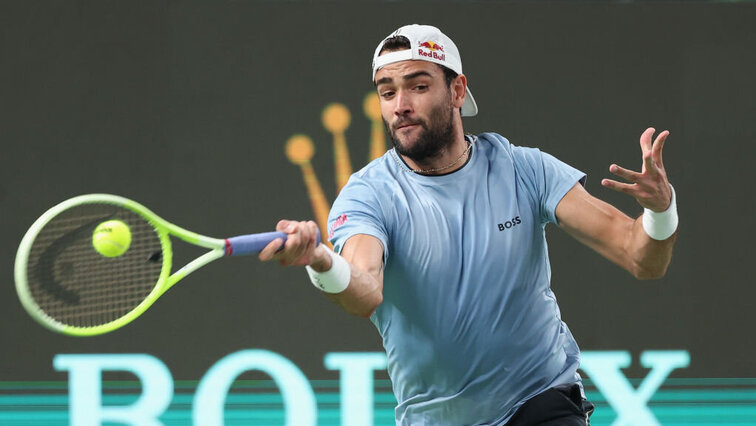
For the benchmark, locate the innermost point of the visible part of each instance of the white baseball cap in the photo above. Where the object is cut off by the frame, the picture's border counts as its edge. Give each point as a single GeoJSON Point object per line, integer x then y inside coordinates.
{"type": "Point", "coordinates": [427, 43]}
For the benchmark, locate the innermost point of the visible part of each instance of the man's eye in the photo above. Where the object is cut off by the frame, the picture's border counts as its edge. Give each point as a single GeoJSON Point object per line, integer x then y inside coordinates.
{"type": "Point", "coordinates": [387, 94]}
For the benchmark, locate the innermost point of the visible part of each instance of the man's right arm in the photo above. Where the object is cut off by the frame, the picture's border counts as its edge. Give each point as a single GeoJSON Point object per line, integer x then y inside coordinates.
{"type": "Point", "coordinates": [363, 252]}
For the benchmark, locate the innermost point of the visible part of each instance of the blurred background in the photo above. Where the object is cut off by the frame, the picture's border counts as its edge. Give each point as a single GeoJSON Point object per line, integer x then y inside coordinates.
{"type": "Point", "coordinates": [187, 107]}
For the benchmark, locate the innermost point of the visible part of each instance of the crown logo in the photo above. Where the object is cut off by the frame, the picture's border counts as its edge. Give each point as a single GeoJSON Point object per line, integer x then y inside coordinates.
{"type": "Point", "coordinates": [335, 118]}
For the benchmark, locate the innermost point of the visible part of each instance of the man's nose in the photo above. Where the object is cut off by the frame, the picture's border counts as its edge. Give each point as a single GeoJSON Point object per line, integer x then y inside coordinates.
{"type": "Point", "coordinates": [403, 104]}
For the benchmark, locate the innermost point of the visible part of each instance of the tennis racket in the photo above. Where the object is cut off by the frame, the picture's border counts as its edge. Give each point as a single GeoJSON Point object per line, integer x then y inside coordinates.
{"type": "Point", "coordinates": [69, 287]}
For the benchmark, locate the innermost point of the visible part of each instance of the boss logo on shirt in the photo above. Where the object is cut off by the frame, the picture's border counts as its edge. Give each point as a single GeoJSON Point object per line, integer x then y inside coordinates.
{"type": "Point", "coordinates": [510, 223]}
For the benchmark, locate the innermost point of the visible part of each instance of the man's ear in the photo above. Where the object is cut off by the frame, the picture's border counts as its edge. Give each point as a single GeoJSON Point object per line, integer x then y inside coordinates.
{"type": "Point", "coordinates": [458, 86]}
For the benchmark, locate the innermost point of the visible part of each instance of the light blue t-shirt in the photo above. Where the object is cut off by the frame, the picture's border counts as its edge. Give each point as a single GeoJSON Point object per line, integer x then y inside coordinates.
{"type": "Point", "coordinates": [470, 325]}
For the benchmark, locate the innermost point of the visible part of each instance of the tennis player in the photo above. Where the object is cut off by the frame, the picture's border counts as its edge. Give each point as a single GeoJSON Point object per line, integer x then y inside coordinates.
{"type": "Point", "coordinates": [441, 244]}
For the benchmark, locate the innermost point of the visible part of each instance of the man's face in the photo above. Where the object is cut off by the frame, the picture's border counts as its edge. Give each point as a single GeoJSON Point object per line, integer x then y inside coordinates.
{"type": "Point", "coordinates": [417, 108]}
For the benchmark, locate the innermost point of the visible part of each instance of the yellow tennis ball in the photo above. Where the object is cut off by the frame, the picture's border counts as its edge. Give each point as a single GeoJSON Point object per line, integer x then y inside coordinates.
{"type": "Point", "coordinates": [111, 238]}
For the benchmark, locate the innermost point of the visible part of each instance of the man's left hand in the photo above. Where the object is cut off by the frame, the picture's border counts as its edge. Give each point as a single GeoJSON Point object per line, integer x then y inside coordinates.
{"type": "Point", "coordinates": [650, 187]}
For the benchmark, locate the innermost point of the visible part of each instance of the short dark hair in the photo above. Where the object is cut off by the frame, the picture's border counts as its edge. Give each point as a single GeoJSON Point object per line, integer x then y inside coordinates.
{"type": "Point", "coordinates": [400, 42]}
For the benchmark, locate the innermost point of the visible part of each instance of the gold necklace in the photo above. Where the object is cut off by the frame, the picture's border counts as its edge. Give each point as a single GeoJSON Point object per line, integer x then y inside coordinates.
{"type": "Point", "coordinates": [406, 168]}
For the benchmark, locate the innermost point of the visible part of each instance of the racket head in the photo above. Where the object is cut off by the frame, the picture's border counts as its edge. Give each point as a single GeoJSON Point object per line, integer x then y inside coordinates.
{"type": "Point", "coordinates": [68, 287]}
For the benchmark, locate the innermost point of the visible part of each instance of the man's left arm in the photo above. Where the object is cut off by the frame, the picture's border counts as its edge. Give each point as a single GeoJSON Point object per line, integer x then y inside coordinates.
{"type": "Point", "coordinates": [615, 235]}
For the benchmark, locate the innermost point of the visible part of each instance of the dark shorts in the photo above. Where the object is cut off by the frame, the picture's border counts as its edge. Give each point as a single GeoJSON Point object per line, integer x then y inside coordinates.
{"type": "Point", "coordinates": [558, 406]}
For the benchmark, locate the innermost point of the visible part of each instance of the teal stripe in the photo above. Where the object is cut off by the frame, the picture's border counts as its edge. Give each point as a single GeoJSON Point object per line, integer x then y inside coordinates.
{"type": "Point", "coordinates": [701, 381]}
{"type": "Point", "coordinates": [35, 415]}
{"type": "Point", "coordinates": [705, 395]}
{"type": "Point", "coordinates": [723, 413]}
{"type": "Point", "coordinates": [728, 410]}
{"type": "Point", "coordinates": [731, 395]}
{"type": "Point", "coordinates": [334, 384]}
{"type": "Point", "coordinates": [667, 416]}
{"type": "Point", "coordinates": [178, 384]}
{"type": "Point", "coordinates": [382, 398]}
{"type": "Point", "coordinates": [711, 381]}
{"type": "Point", "coordinates": [178, 399]}
{"type": "Point", "coordinates": [692, 395]}
{"type": "Point", "coordinates": [173, 415]}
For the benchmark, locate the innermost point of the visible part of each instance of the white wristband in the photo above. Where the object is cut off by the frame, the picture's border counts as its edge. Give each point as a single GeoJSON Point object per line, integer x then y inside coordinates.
{"type": "Point", "coordinates": [661, 225]}
{"type": "Point", "coordinates": [334, 280]}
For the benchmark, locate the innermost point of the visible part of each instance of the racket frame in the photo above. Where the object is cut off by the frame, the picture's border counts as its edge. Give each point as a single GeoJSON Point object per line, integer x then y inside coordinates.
{"type": "Point", "coordinates": [166, 280]}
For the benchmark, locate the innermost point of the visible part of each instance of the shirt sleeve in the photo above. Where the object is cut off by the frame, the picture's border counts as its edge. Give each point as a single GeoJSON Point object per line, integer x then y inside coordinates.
{"type": "Point", "coordinates": [357, 210]}
{"type": "Point", "coordinates": [547, 178]}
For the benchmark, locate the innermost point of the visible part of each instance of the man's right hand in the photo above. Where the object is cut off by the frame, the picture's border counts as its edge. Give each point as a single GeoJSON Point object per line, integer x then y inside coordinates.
{"type": "Point", "coordinates": [300, 248]}
{"type": "Point", "coordinates": [363, 252]}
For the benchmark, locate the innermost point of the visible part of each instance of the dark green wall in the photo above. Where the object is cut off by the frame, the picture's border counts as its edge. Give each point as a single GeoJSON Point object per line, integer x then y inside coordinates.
{"type": "Point", "coordinates": [186, 107]}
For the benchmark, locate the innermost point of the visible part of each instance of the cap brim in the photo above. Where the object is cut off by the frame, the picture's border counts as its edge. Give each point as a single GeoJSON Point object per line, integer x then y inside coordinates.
{"type": "Point", "coordinates": [469, 108]}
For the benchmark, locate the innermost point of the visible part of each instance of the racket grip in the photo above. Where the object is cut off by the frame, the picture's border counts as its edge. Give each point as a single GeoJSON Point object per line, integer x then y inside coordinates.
{"type": "Point", "coordinates": [254, 243]}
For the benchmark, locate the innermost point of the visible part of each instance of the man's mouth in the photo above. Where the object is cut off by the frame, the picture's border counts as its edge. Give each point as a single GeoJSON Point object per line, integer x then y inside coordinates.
{"type": "Point", "coordinates": [406, 125]}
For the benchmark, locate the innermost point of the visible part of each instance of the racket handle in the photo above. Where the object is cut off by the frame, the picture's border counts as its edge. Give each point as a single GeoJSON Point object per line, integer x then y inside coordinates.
{"type": "Point", "coordinates": [254, 243]}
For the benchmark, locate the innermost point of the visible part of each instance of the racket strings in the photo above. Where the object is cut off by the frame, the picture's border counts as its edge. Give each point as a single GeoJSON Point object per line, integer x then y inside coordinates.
{"type": "Point", "coordinates": [75, 285]}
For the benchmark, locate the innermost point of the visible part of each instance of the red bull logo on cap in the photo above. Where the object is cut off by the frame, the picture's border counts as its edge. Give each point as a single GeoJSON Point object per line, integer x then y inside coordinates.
{"type": "Point", "coordinates": [434, 50]}
{"type": "Point", "coordinates": [432, 46]}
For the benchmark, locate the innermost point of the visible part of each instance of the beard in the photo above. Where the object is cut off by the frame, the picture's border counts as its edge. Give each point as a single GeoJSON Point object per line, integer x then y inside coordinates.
{"type": "Point", "coordinates": [437, 134]}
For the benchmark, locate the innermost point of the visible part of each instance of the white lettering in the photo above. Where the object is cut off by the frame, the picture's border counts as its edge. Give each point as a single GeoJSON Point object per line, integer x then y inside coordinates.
{"type": "Point", "coordinates": [298, 396]}
{"type": "Point", "coordinates": [85, 388]}
{"type": "Point", "coordinates": [604, 368]}
{"type": "Point", "coordinates": [356, 383]}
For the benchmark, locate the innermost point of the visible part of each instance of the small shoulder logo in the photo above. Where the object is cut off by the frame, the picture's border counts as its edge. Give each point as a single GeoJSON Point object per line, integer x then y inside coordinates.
{"type": "Point", "coordinates": [336, 223]}
{"type": "Point", "coordinates": [510, 223]}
